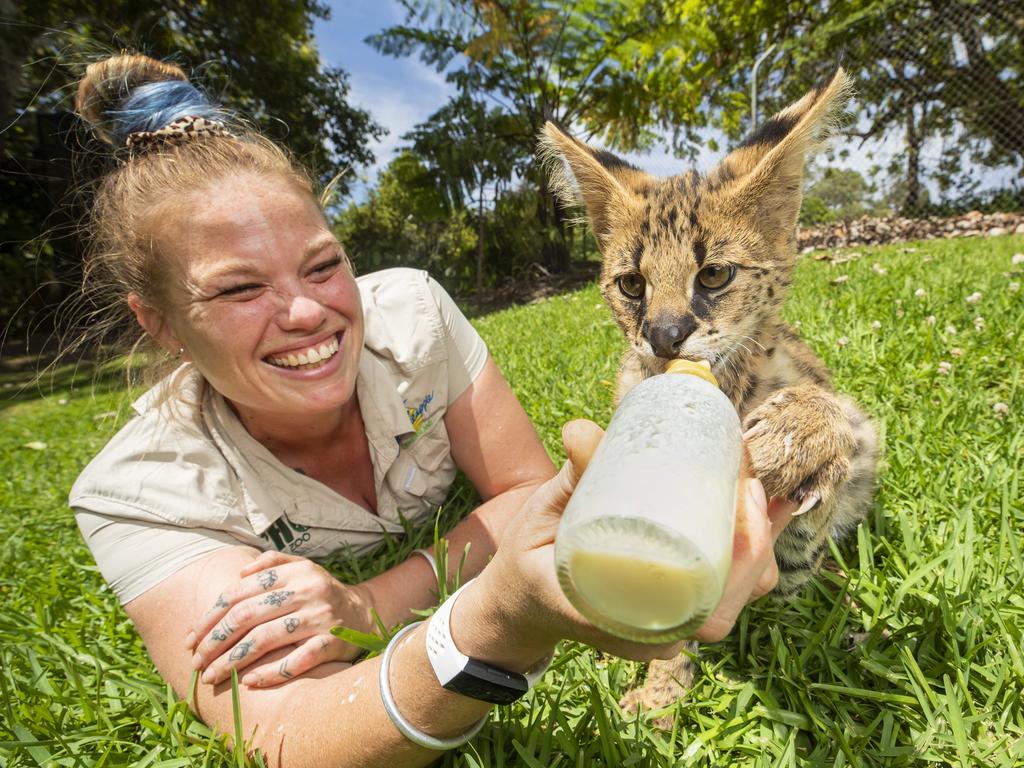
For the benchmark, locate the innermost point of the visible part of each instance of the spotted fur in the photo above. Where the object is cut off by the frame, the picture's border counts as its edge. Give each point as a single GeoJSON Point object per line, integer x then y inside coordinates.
{"type": "Point", "coordinates": [805, 441]}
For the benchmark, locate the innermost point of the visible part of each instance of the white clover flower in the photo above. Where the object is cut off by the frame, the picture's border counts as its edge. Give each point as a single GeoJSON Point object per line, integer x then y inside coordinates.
{"type": "Point", "coordinates": [1010, 334]}
{"type": "Point", "coordinates": [945, 368]}
{"type": "Point", "coordinates": [840, 280]}
{"type": "Point", "coordinates": [797, 324]}
{"type": "Point", "coordinates": [974, 298]}
{"type": "Point", "coordinates": [1018, 258]}
{"type": "Point", "coordinates": [842, 341]}
{"type": "Point", "coordinates": [951, 329]}
{"type": "Point", "coordinates": [979, 323]}
{"type": "Point", "coordinates": [900, 312]}
{"type": "Point", "coordinates": [875, 324]}
{"type": "Point", "coordinates": [1014, 286]}
{"type": "Point", "coordinates": [1001, 410]}
{"type": "Point", "coordinates": [879, 268]}
{"type": "Point", "coordinates": [920, 293]}
{"type": "Point", "coordinates": [955, 352]}
{"type": "Point", "coordinates": [930, 320]}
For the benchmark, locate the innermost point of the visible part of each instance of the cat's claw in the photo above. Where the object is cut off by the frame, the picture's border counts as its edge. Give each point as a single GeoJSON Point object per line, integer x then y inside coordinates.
{"type": "Point", "coordinates": [810, 501]}
{"type": "Point", "coordinates": [757, 429]}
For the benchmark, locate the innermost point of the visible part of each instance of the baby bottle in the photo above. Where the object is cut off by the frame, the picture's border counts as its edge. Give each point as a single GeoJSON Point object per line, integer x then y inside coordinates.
{"type": "Point", "coordinates": [645, 543]}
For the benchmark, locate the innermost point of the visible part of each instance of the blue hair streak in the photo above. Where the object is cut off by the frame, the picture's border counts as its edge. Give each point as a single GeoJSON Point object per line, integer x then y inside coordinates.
{"type": "Point", "coordinates": [152, 106]}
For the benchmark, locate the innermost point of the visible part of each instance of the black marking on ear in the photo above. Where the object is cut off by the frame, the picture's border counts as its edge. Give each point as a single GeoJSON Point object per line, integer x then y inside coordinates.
{"type": "Point", "coordinates": [610, 161]}
{"type": "Point", "coordinates": [700, 252]}
{"type": "Point", "coordinates": [771, 132]}
{"type": "Point", "coordinates": [771, 292]}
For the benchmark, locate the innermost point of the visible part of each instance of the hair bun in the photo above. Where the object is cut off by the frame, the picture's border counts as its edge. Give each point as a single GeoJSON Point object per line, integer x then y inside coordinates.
{"type": "Point", "coordinates": [108, 83]}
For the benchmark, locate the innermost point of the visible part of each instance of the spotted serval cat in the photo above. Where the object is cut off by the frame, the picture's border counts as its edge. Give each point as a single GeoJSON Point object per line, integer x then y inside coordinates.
{"type": "Point", "coordinates": [698, 266]}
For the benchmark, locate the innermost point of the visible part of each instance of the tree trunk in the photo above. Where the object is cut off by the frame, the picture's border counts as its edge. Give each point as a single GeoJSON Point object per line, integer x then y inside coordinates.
{"type": "Point", "coordinates": [912, 202]}
{"type": "Point", "coordinates": [480, 244]}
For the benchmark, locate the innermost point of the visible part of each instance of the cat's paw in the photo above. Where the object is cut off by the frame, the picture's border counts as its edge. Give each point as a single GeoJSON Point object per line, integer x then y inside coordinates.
{"type": "Point", "coordinates": [667, 682]}
{"type": "Point", "coordinates": [800, 444]}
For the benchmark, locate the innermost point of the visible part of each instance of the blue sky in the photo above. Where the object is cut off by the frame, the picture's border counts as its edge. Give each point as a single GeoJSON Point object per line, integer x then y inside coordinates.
{"type": "Point", "coordinates": [399, 93]}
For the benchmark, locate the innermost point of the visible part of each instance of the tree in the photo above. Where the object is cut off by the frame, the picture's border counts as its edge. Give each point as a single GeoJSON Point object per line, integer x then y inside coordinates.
{"type": "Point", "coordinates": [836, 193]}
{"type": "Point", "coordinates": [619, 70]}
{"type": "Point", "coordinates": [948, 69]}
{"type": "Point", "coordinates": [258, 58]}
{"type": "Point", "coordinates": [406, 221]}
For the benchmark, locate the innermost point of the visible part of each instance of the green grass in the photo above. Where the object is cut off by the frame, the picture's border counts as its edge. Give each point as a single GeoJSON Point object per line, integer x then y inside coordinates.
{"type": "Point", "coordinates": [908, 653]}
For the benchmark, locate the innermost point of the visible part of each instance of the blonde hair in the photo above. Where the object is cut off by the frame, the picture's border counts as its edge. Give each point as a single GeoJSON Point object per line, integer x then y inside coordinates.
{"type": "Point", "coordinates": [127, 94]}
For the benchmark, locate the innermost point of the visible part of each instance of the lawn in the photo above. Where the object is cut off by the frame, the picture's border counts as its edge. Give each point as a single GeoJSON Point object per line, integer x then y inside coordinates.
{"type": "Point", "coordinates": [907, 652]}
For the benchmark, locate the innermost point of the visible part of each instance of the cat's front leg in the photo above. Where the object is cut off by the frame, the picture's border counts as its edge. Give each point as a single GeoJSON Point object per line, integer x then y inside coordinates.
{"type": "Point", "coordinates": [803, 447]}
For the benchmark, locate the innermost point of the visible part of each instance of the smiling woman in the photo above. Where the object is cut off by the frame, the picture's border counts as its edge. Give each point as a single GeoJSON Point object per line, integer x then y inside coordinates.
{"type": "Point", "coordinates": [311, 410]}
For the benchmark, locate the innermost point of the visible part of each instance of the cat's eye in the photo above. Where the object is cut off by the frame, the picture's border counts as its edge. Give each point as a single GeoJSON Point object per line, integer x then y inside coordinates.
{"type": "Point", "coordinates": [716, 276]}
{"type": "Point", "coordinates": [632, 285]}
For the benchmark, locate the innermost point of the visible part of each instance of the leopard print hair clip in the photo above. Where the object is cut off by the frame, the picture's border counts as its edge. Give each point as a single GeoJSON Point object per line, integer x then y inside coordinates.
{"type": "Point", "coordinates": [174, 133]}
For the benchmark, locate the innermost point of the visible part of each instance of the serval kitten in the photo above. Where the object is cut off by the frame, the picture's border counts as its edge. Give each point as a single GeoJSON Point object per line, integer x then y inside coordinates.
{"type": "Point", "coordinates": [698, 266]}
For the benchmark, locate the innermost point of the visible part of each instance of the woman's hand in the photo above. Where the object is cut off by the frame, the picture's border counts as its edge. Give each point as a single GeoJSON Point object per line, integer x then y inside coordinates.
{"type": "Point", "coordinates": [281, 601]}
{"type": "Point", "coordinates": [522, 588]}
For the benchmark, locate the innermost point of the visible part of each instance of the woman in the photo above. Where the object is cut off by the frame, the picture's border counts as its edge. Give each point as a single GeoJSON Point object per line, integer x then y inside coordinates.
{"type": "Point", "coordinates": [312, 411]}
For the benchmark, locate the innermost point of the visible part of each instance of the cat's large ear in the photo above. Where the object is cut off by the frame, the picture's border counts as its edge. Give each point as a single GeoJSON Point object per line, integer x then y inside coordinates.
{"type": "Point", "coordinates": [763, 177]}
{"type": "Point", "coordinates": [606, 185]}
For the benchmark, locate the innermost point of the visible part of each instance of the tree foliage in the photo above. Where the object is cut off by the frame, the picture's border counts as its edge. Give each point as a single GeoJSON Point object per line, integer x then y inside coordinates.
{"type": "Point", "coordinates": [258, 58]}
{"type": "Point", "coordinates": [943, 70]}
{"type": "Point", "coordinates": [620, 71]}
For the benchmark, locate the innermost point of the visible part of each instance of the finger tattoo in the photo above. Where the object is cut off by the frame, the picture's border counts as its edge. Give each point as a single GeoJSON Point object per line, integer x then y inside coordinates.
{"type": "Point", "coordinates": [220, 634]}
{"type": "Point", "coordinates": [278, 598]}
{"type": "Point", "coordinates": [221, 602]}
{"type": "Point", "coordinates": [241, 650]}
{"type": "Point", "coordinates": [267, 579]}
{"type": "Point", "coordinates": [283, 670]}
{"type": "Point", "coordinates": [291, 624]}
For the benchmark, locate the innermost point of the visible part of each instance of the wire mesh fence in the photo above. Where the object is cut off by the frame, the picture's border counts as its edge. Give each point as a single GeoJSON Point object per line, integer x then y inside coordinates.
{"type": "Point", "coordinates": [938, 120]}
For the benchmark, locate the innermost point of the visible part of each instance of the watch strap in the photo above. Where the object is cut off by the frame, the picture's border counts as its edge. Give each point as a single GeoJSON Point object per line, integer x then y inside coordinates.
{"type": "Point", "coordinates": [472, 677]}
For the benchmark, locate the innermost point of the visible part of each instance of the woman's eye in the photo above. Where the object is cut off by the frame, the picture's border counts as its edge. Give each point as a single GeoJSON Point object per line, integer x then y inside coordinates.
{"type": "Point", "coordinates": [327, 267]}
{"type": "Point", "coordinates": [632, 285]}
{"type": "Point", "coordinates": [715, 277]}
{"type": "Point", "coordinates": [241, 291]}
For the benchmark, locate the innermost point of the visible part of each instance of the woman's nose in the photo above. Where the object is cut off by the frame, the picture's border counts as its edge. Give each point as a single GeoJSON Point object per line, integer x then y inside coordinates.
{"type": "Point", "coordinates": [304, 312]}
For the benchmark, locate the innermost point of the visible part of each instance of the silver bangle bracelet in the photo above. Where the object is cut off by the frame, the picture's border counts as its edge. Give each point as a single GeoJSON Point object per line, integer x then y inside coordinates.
{"type": "Point", "coordinates": [429, 558]}
{"type": "Point", "coordinates": [404, 727]}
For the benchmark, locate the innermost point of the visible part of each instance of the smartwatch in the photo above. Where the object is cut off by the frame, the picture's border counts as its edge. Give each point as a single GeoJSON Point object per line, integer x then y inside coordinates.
{"type": "Point", "coordinates": [470, 677]}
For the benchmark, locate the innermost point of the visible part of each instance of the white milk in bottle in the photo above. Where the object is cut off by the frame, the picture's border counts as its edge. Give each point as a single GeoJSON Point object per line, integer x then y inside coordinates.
{"type": "Point", "coordinates": [645, 543]}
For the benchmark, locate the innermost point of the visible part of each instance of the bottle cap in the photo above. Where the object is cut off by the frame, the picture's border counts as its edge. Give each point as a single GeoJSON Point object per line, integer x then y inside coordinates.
{"type": "Point", "coordinates": [699, 368]}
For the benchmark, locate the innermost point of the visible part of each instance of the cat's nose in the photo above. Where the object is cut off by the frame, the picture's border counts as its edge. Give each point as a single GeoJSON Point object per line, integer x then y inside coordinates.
{"type": "Point", "coordinates": [667, 335]}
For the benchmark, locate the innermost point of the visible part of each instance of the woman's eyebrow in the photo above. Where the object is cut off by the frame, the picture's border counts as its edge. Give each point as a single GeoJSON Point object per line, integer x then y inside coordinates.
{"type": "Point", "coordinates": [228, 271]}
{"type": "Point", "coordinates": [319, 245]}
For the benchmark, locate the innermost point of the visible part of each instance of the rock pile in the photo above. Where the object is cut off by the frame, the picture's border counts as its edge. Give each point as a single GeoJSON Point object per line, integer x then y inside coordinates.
{"type": "Point", "coordinates": [872, 231]}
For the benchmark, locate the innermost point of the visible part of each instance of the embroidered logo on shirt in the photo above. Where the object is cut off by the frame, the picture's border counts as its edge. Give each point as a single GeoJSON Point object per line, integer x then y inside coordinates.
{"type": "Point", "coordinates": [284, 535]}
{"type": "Point", "coordinates": [418, 419]}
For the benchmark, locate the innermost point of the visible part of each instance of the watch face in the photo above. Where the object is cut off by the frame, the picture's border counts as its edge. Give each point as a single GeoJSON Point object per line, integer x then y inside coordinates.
{"type": "Point", "coordinates": [486, 683]}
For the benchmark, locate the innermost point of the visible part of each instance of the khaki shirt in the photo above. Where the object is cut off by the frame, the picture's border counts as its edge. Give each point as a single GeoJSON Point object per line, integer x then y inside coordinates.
{"type": "Point", "coordinates": [183, 479]}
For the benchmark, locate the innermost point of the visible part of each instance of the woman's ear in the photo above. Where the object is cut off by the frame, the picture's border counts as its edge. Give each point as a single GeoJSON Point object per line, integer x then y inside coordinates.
{"type": "Point", "coordinates": [153, 323]}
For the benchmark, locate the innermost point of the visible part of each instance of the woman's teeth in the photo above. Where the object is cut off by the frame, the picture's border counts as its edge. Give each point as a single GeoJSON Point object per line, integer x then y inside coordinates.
{"type": "Point", "coordinates": [310, 356]}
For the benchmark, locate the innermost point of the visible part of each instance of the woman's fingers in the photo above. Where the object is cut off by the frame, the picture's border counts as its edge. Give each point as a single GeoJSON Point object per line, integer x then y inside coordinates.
{"type": "Point", "coordinates": [253, 645]}
{"type": "Point", "coordinates": [231, 631]}
{"type": "Point", "coordinates": [780, 512]}
{"type": "Point", "coordinates": [267, 559]}
{"type": "Point", "coordinates": [308, 654]}
{"type": "Point", "coordinates": [258, 583]}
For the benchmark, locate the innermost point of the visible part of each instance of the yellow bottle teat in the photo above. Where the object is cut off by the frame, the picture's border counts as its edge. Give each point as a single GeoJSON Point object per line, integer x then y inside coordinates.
{"type": "Point", "coordinates": [699, 368]}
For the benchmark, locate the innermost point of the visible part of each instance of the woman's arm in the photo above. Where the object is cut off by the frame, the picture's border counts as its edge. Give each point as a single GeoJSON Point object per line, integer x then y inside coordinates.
{"type": "Point", "coordinates": [330, 716]}
{"type": "Point", "coordinates": [495, 444]}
